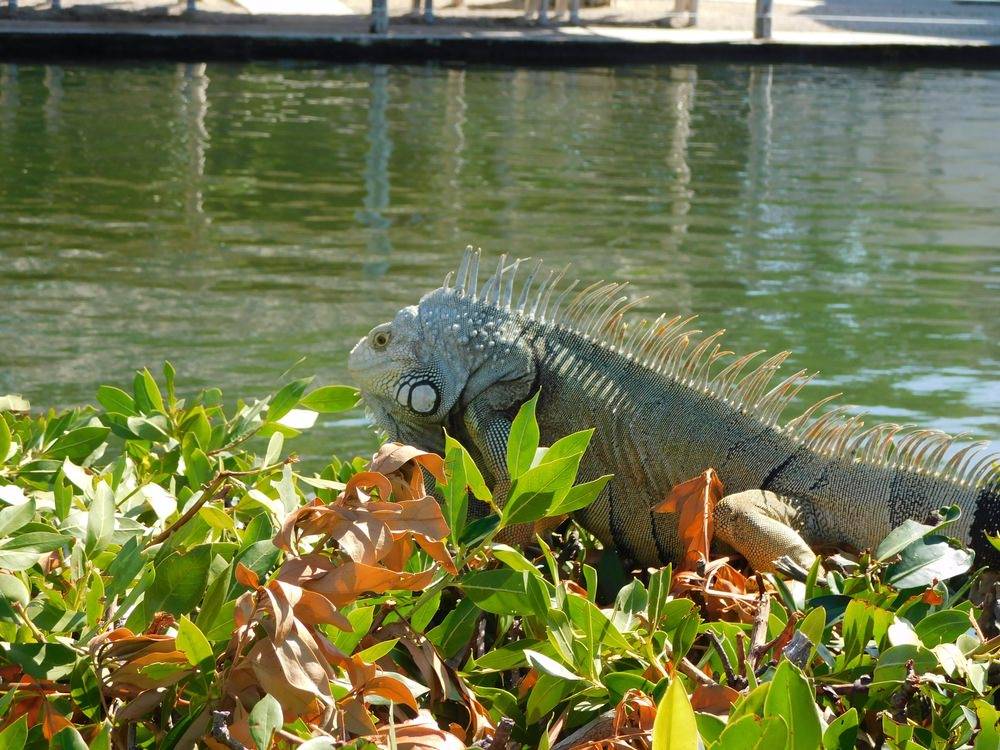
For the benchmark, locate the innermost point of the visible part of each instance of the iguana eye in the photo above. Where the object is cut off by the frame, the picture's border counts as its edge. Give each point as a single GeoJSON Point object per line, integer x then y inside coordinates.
{"type": "Point", "coordinates": [381, 339]}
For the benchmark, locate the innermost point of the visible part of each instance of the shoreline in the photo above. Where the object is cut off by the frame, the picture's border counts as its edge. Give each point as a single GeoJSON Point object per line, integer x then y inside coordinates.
{"type": "Point", "coordinates": [181, 40]}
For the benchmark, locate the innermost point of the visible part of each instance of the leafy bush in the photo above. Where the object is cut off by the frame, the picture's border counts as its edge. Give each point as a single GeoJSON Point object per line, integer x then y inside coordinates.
{"type": "Point", "coordinates": [163, 585]}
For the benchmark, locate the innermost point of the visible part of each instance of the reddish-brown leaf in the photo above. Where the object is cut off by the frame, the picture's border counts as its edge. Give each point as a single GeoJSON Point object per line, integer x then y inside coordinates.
{"type": "Point", "coordinates": [246, 576]}
{"type": "Point", "coordinates": [53, 721]}
{"type": "Point", "coordinates": [713, 699]}
{"type": "Point", "coordinates": [694, 502]}
{"type": "Point", "coordinates": [393, 456]}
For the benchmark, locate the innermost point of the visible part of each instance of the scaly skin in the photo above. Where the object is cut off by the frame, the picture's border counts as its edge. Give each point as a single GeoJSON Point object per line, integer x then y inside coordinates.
{"type": "Point", "coordinates": [662, 414]}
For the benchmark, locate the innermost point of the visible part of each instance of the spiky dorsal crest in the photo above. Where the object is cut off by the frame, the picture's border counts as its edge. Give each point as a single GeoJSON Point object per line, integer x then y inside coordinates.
{"type": "Point", "coordinates": [673, 348]}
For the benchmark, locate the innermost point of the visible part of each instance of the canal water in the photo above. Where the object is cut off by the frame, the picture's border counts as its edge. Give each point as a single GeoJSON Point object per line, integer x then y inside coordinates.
{"type": "Point", "coordinates": [236, 219]}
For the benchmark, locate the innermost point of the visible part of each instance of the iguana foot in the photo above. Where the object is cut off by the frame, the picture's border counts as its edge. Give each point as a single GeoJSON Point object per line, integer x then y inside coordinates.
{"type": "Point", "coordinates": [757, 524]}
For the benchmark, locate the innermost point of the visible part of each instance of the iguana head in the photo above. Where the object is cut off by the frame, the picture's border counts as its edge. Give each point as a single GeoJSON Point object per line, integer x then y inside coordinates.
{"type": "Point", "coordinates": [419, 370]}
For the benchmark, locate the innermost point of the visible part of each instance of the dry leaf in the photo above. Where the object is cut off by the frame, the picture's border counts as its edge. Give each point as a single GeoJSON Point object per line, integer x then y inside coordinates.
{"type": "Point", "coordinates": [714, 699]}
{"type": "Point", "coordinates": [694, 502]}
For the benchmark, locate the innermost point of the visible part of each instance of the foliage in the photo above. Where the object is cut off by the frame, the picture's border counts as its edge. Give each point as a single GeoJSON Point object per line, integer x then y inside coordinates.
{"type": "Point", "coordinates": [168, 578]}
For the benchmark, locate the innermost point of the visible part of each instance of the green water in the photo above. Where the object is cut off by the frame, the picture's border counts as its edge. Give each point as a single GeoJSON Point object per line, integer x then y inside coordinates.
{"type": "Point", "coordinates": [235, 219]}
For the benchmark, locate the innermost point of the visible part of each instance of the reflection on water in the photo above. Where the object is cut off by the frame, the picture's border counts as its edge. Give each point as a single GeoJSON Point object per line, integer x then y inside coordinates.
{"type": "Point", "coordinates": [234, 219]}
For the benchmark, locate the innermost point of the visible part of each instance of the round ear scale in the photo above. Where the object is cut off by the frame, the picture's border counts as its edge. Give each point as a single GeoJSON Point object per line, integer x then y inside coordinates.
{"type": "Point", "coordinates": [424, 398]}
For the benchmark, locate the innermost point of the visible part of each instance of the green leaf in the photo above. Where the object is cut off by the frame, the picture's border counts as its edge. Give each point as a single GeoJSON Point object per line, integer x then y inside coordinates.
{"type": "Point", "coordinates": [100, 520]}
{"type": "Point", "coordinates": [581, 610]}
{"type": "Point", "coordinates": [147, 392]}
{"type": "Point", "coordinates": [754, 733]}
{"type": "Point", "coordinates": [95, 599]}
{"type": "Point", "coordinates": [180, 582]}
{"type": "Point", "coordinates": [15, 736]}
{"type": "Point", "coordinates": [942, 627]}
{"type": "Point", "coordinates": [5, 440]}
{"type": "Point", "coordinates": [791, 697]}
{"type": "Point", "coordinates": [547, 665]}
{"type": "Point", "coordinates": [539, 488]}
{"type": "Point", "coordinates": [195, 645]}
{"type": "Point", "coordinates": [580, 496]}
{"type": "Point", "coordinates": [930, 558]}
{"type": "Point", "coordinates": [989, 728]}
{"type": "Point", "coordinates": [318, 743]}
{"type": "Point", "coordinates": [103, 739]}
{"type": "Point", "coordinates": [116, 401]}
{"type": "Point", "coordinates": [523, 439]}
{"type": "Point", "coordinates": [216, 518]}
{"type": "Point", "coordinates": [513, 559]}
{"type": "Point", "coordinates": [16, 516]}
{"type": "Point", "coordinates": [910, 531]}
{"type": "Point", "coordinates": [68, 739]}
{"type": "Point", "coordinates": [675, 726]}
{"type": "Point", "coordinates": [573, 444]}
{"type": "Point", "coordinates": [842, 733]}
{"type": "Point", "coordinates": [376, 652]}
{"type": "Point", "coordinates": [77, 444]}
{"type": "Point", "coordinates": [463, 475]}
{"type": "Point", "coordinates": [265, 718]}
{"type": "Point", "coordinates": [330, 399]}
{"type": "Point", "coordinates": [456, 629]}
{"type": "Point", "coordinates": [502, 592]}
{"type": "Point", "coordinates": [286, 399]}
{"type": "Point", "coordinates": [13, 591]}
{"type": "Point", "coordinates": [891, 665]}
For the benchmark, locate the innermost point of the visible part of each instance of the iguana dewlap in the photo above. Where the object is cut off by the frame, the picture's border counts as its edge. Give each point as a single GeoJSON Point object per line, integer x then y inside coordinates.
{"type": "Point", "coordinates": [666, 404]}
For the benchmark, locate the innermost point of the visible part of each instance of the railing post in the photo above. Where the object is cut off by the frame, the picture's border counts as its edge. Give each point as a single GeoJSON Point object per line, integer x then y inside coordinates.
{"type": "Point", "coordinates": [692, 12]}
{"type": "Point", "coordinates": [380, 16]}
{"type": "Point", "coordinates": [574, 12]}
{"type": "Point", "coordinates": [192, 6]}
{"type": "Point", "coordinates": [11, 5]}
{"type": "Point", "coordinates": [56, 4]}
{"type": "Point", "coordinates": [428, 11]}
{"type": "Point", "coordinates": [543, 12]}
{"type": "Point", "coordinates": [762, 19]}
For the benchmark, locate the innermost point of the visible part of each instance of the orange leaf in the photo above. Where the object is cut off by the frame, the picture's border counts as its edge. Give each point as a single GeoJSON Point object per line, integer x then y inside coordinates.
{"type": "Point", "coordinates": [246, 576]}
{"type": "Point", "coordinates": [694, 501]}
{"type": "Point", "coordinates": [930, 596]}
{"type": "Point", "coordinates": [53, 722]}
{"type": "Point", "coordinates": [344, 583]}
{"type": "Point", "coordinates": [713, 699]}
{"type": "Point", "coordinates": [392, 689]}
{"type": "Point", "coordinates": [422, 516]}
{"type": "Point", "coordinates": [368, 480]}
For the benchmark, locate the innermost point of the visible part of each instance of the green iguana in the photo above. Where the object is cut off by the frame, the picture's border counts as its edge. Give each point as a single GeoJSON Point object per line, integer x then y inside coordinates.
{"type": "Point", "coordinates": [664, 409]}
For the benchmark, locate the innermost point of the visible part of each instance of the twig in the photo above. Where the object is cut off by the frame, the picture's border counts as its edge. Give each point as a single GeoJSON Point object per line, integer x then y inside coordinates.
{"type": "Point", "coordinates": [858, 687]}
{"type": "Point", "coordinates": [220, 731]}
{"type": "Point", "coordinates": [735, 681]}
{"type": "Point", "coordinates": [502, 734]}
{"type": "Point", "coordinates": [900, 700]}
{"type": "Point", "coordinates": [209, 492]}
{"type": "Point", "coordinates": [688, 668]}
{"type": "Point", "coordinates": [19, 608]}
{"type": "Point", "coordinates": [46, 686]}
{"type": "Point", "coordinates": [759, 630]}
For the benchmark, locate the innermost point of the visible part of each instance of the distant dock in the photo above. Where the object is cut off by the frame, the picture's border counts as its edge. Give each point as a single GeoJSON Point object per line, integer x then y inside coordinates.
{"type": "Point", "coordinates": [834, 31]}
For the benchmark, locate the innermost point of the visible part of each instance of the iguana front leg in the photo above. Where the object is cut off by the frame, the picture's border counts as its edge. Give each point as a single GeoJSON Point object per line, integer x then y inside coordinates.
{"type": "Point", "coordinates": [758, 525]}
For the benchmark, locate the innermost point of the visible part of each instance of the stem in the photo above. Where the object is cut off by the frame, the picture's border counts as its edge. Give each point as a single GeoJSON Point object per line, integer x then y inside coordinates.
{"type": "Point", "coordinates": [209, 491]}
{"type": "Point", "coordinates": [19, 608]}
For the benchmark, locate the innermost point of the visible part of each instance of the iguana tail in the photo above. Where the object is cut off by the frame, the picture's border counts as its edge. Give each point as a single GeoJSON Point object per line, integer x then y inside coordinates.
{"type": "Point", "coordinates": [986, 520]}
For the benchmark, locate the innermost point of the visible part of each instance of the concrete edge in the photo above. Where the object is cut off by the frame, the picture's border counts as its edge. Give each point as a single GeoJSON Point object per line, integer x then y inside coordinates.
{"type": "Point", "coordinates": [481, 47]}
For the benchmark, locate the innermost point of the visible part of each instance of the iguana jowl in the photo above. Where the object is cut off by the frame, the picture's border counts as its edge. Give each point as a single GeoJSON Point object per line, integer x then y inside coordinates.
{"type": "Point", "coordinates": [665, 405]}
